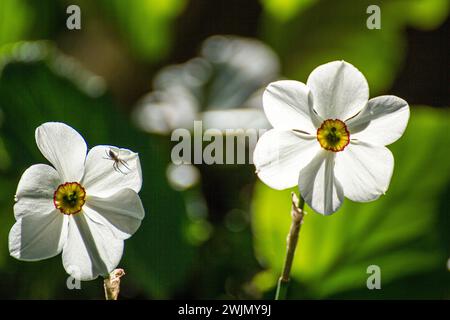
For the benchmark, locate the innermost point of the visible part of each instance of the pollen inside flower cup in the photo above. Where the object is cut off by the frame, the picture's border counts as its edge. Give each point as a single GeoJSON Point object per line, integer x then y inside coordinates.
{"type": "Point", "coordinates": [329, 138]}
{"type": "Point", "coordinates": [85, 206]}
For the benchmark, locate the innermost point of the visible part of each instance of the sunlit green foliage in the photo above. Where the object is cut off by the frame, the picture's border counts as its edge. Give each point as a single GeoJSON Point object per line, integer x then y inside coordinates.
{"type": "Point", "coordinates": [145, 24]}
{"type": "Point", "coordinates": [15, 18]}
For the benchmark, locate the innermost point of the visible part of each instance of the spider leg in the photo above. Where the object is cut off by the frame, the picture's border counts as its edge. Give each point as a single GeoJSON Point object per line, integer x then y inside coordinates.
{"type": "Point", "coordinates": [108, 157]}
{"type": "Point", "coordinates": [118, 168]}
{"type": "Point", "coordinates": [115, 167]}
{"type": "Point", "coordinates": [125, 164]}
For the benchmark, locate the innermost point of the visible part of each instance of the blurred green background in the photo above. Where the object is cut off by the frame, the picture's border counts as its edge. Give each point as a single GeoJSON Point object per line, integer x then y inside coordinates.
{"type": "Point", "coordinates": [224, 236]}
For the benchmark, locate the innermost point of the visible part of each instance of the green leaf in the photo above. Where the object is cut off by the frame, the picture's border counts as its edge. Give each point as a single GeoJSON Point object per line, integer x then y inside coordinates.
{"type": "Point", "coordinates": [145, 24]}
{"type": "Point", "coordinates": [284, 10]}
{"type": "Point", "coordinates": [401, 232]}
{"type": "Point", "coordinates": [39, 84]}
{"type": "Point", "coordinates": [15, 18]}
{"type": "Point", "coordinates": [427, 14]}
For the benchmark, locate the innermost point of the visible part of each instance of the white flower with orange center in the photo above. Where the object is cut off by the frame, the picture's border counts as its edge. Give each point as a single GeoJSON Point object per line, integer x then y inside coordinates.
{"type": "Point", "coordinates": [329, 138]}
{"type": "Point", "coordinates": [83, 206]}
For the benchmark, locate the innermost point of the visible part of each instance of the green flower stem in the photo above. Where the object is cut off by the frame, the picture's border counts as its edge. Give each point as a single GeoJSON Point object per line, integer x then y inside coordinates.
{"type": "Point", "coordinates": [297, 214]}
{"type": "Point", "coordinates": [111, 284]}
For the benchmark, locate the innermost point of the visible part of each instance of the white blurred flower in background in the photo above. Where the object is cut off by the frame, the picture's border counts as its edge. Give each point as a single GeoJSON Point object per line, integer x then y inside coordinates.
{"type": "Point", "coordinates": [222, 87]}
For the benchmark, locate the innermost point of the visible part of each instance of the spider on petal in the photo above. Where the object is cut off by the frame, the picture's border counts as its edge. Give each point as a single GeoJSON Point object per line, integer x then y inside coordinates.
{"type": "Point", "coordinates": [111, 155]}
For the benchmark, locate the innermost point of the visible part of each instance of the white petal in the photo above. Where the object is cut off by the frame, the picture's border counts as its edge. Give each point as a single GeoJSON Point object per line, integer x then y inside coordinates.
{"type": "Point", "coordinates": [339, 90]}
{"type": "Point", "coordinates": [38, 236]}
{"type": "Point", "coordinates": [35, 191]}
{"type": "Point", "coordinates": [280, 155]}
{"type": "Point", "coordinates": [64, 148]}
{"type": "Point", "coordinates": [103, 179]}
{"type": "Point", "coordinates": [91, 249]}
{"type": "Point", "coordinates": [381, 122]}
{"type": "Point", "coordinates": [121, 212]}
{"type": "Point", "coordinates": [364, 171]}
{"type": "Point", "coordinates": [319, 186]}
{"type": "Point", "coordinates": [288, 105]}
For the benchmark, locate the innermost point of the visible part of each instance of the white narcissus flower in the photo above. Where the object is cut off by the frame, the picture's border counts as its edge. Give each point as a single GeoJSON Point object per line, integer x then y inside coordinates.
{"type": "Point", "coordinates": [83, 206]}
{"type": "Point", "coordinates": [329, 138]}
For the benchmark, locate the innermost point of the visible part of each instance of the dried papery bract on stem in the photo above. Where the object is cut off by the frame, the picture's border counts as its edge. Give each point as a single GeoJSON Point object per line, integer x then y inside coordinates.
{"type": "Point", "coordinates": [112, 284]}
{"type": "Point", "coordinates": [297, 214]}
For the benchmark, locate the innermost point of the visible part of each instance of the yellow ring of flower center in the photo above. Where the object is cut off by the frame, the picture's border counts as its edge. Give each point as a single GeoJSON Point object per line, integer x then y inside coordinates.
{"type": "Point", "coordinates": [69, 198]}
{"type": "Point", "coordinates": [333, 135]}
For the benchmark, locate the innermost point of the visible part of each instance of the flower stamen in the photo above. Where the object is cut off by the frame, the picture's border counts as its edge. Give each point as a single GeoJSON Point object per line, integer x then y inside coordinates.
{"type": "Point", "coordinates": [69, 198]}
{"type": "Point", "coordinates": [333, 135]}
